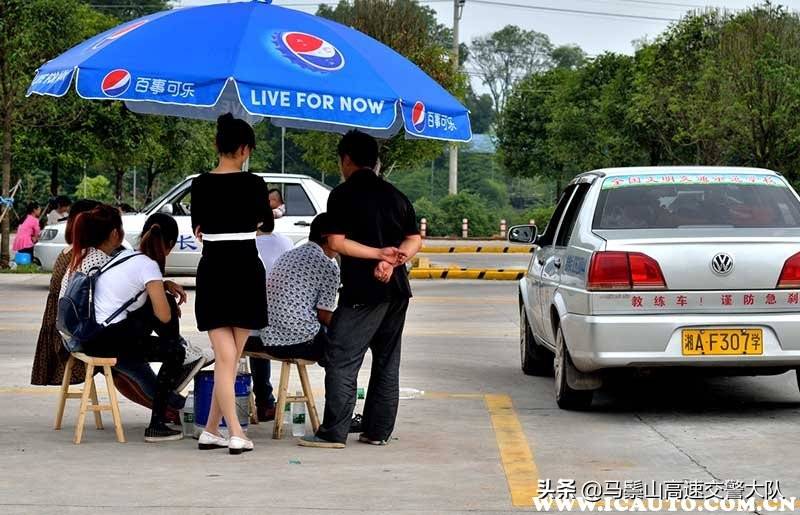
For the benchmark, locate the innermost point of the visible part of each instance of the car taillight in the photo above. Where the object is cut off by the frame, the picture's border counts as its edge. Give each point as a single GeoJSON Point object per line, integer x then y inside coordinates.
{"type": "Point", "coordinates": [790, 275]}
{"type": "Point", "coordinates": [613, 270]}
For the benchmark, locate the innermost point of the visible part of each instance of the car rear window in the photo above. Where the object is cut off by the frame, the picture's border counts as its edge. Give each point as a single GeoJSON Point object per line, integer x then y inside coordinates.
{"type": "Point", "coordinates": [695, 200]}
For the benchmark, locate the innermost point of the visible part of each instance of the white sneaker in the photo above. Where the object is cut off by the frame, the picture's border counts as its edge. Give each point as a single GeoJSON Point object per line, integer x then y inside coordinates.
{"type": "Point", "coordinates": [239, 445]}
{"type": "Point", "coordinates": [209, 441]}
{"type": "Point", "coordinates": [193, 353]}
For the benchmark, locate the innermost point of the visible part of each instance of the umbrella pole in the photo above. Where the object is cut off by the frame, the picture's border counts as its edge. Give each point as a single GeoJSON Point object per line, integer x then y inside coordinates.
{"type": "Point", "coordinates": [283, 149]}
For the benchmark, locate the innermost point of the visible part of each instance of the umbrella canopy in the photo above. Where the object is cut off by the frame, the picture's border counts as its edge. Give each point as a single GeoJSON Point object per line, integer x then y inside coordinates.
{"type": "Point", "coordinates": [257, 61]}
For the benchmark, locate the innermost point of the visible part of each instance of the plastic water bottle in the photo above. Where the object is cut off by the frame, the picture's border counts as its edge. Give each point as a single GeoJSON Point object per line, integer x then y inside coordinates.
{"type": "Point", "coordinates": [287, 415]}
{"type": "Point", "coordinates": [298, 418]}
{"type": "Point", "coordinates": [187, 416]}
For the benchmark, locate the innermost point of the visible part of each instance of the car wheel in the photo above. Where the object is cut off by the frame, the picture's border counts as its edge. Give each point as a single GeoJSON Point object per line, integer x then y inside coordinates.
{"type": "Point", "coordinates": [566, 397]}
{"type": "Point", "coordinates": [536, 360]}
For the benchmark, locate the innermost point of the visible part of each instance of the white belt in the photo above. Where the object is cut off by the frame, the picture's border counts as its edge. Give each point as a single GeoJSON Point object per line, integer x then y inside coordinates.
{"type": "Point", "coordinates": [230, 236]}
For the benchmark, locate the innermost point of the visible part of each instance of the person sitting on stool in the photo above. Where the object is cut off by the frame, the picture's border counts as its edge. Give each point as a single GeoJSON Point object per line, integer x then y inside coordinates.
{"type": "Point", "coordinates": [301, 298]}
{"type": "Point", "coordinates": [271, 246]}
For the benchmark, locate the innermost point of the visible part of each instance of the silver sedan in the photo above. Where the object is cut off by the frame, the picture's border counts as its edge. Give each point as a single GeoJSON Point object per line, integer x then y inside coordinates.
{"type": "Point", "coordinates": [662, 267]}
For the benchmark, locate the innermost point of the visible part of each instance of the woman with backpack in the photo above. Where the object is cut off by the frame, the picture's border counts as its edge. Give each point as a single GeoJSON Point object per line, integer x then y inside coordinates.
{"type": "Point", "coordinates": [133, 379]}
{"type": "Point", "coordinates": [131, 302]}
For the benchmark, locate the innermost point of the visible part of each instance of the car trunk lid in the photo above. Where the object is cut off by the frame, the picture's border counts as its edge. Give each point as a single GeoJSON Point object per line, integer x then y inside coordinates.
{"type": "Point", "coordinates": [711, 259]}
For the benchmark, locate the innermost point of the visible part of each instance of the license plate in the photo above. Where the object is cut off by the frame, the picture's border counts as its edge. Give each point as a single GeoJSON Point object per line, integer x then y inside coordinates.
{"type": "Point", "coordinates": [722, 342]}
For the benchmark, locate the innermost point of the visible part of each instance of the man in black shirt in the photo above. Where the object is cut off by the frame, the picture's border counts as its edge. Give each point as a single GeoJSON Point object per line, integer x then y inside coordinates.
{"type": "Point", "coordinates": [374, 229]}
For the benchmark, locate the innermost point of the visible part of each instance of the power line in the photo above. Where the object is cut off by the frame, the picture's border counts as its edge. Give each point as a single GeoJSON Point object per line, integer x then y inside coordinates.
{"type": "Point", "coordinates": [662, 4]}
{"type": "Point", "coordinates": [573, 11]}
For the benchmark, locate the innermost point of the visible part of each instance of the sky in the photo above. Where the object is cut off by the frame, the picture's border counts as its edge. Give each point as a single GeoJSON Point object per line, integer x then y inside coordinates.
{"type": "Point", "coordinates": [595, 33]}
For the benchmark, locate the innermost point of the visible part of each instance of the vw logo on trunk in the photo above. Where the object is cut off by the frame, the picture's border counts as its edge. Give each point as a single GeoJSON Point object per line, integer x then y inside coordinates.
{"type": "Point", "coordinates": [722, 264]}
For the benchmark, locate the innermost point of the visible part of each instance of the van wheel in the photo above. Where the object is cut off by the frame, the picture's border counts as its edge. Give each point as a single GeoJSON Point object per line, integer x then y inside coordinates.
{"type": "Point", "coordinates": [536, 360]}
{"type": "Point", "coordinates": [566, 397]}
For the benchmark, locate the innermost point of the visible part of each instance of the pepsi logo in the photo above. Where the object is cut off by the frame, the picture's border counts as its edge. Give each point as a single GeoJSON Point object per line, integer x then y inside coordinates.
{"type": "Point", "coordinates": [118, 34]}
{"type": "Point", "coordinates": [116, 82]}
{"type": "Point", "coordinates": [418, 116]}
{"type": "Point", "coordinates": [309, 51]}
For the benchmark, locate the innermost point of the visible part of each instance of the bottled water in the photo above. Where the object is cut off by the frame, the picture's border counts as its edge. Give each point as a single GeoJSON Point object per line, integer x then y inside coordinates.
{"type": "Point", "coordinates": [298, 417]}
{"type": "Point", "coordinates": [187, 416]}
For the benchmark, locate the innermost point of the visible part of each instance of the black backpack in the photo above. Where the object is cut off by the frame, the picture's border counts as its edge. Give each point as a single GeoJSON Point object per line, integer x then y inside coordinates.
{"type": "Point", "coordinates": [76, 319]}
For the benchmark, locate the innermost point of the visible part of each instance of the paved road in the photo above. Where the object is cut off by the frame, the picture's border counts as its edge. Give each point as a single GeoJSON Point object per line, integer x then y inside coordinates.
{"type": "Point", "coordinates": [477, 442]}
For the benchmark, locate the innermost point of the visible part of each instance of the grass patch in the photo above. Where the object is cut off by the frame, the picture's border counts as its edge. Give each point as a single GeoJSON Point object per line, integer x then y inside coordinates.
{"type": "Point", "coordinates": [23, 269]}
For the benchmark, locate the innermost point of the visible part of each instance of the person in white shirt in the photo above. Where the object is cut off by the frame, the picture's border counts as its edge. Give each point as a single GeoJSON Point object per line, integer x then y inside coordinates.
{"type": "Point", "coordinates": [276, 203]}
{"type": "Point", "coordinates": [271, 245]}
{"type": "Point", "coordinates": [60, 211]}
{"type": "Point", "coordinates": [133, 282]}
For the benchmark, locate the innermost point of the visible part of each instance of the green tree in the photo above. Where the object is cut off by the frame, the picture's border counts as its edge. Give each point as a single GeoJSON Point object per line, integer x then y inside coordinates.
{"type": "Point", "coordinates": [128, 9]}
{"type": "Point", "coordinates": [590, 127]}
{"type": "Point", "coordinates": [570, 57]}
{"type": "Point", "coordinates": [508, 55]}
{"type": "Point", "coordinates": [22, 49]}
{"type": "Point", "coordinates": [754, 79]}
{"type": "Point", "coordinates": [465, 205]}
{"type": "Point", "coordinates": [523, 133]}
{"type": "Point", "coordinates": [673, 116]}
{"type": "Point", "coordinates": [95, 188]}
{"type": "Point", "coordinates": [481, 111]}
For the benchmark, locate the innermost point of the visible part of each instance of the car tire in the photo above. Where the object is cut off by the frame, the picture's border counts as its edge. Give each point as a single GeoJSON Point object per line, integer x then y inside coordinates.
{"type": "Point", "coordinates": [535, 359]}
{"type": "Point", "coordinates": [567, 398]}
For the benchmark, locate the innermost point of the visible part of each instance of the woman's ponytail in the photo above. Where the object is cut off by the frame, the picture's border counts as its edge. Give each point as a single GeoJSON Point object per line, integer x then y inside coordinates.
{"type": "Point", "coordinates": [152, 245]}
{"type": "Point", "coordinates": [159, 235]}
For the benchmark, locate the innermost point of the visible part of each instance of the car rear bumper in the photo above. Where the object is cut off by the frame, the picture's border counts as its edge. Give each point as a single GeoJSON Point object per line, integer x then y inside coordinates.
{"type": "Point", "coordinates": [47, 253]}
{"type": "Point", "coordinates": [611, 341]}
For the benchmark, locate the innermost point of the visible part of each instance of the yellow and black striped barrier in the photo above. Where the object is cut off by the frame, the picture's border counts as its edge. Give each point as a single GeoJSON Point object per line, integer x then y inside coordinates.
{"type": "Point", "coordinates": [469, 249]}
{"type": "Point", "coordinates": [489, 274]}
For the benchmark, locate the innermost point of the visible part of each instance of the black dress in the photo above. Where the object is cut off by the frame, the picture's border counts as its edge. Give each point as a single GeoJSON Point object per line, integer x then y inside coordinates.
{"type": "Point", "coordinates": [231, 282]}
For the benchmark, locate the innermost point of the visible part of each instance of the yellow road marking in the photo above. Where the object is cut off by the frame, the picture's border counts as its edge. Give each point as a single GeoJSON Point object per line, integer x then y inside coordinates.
{"type": "Point", "coordinates": [511, 274]}
{"type": "Point", "coordinates": [515, 454]}
{"type": "Point", "coordinates": [475, 249]}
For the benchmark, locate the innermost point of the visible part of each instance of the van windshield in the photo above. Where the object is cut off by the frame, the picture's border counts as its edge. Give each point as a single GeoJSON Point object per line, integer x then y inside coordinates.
{"type": "Point", "coordinates": [696, 200]}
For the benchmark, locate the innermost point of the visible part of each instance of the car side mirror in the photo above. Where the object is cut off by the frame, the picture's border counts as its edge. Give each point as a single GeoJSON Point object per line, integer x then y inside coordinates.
{"type": "Point", "coordinates": [166, 208]}
{"type": "Point", "coordinates": [523, 234]}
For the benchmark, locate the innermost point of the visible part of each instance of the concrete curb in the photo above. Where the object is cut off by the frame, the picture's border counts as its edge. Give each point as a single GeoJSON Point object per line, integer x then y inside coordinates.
{"type": "Point", "coordinates": [468, 249]}
{"type": "Point", "coordinates": [489, 274]}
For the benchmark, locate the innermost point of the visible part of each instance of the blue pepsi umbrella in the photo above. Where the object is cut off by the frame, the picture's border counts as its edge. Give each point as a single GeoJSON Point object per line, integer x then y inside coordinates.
{"type": "Point", "coordinates": [257, 61]}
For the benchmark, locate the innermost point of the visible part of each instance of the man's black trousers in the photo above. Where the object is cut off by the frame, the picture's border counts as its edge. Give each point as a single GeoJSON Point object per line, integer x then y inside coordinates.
{"type": "Point", "coordinates": [354, 330]}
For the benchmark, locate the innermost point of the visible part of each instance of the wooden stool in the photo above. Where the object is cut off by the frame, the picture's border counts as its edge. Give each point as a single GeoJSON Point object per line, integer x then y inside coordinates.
{"type": "Point", "coordinates": [284, 397]}
{"type": "Point", "coordinates": [89, 391]}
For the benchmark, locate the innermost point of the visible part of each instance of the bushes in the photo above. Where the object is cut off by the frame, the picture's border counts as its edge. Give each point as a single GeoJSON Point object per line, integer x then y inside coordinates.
{"type": "Point", "coordinates": [444, 217]}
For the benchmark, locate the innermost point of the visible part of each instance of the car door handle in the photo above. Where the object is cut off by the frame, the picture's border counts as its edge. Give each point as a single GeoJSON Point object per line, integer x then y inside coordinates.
{"type": "Point", "coordinates": [303, 223]}
{"type": "Point", "coordinates": [557, 262]}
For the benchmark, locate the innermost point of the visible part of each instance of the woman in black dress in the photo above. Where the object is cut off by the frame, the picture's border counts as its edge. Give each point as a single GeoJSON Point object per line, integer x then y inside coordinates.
{"type": "Point", "coordinates": [227, 207]}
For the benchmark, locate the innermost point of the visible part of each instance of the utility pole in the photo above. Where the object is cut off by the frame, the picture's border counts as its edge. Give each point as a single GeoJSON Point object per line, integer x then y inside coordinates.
{"type": "Point", "coordinates": [458, 9]}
